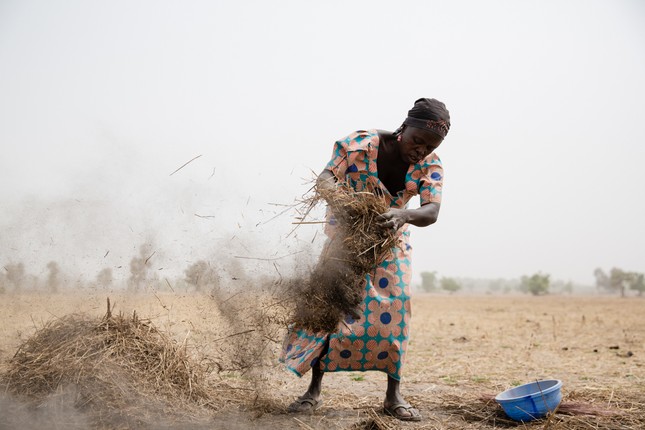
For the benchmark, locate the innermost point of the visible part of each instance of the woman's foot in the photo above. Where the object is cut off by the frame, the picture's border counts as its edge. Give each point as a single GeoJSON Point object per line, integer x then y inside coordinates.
{"type": "Point", "coordinates": [305, 403]}
{"type": "Point", "coordinates": [395, 405]}
{"type": "Point", "coordinates": [311, 400]}
{"type": "Point", "coordinates": [403, 411]}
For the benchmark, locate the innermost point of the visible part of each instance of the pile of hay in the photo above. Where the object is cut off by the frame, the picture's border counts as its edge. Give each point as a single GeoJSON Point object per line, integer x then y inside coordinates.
{"type": "Point", "coordinates": [120, 372]}
{"type": "Point", "coordinates": [336, 284]}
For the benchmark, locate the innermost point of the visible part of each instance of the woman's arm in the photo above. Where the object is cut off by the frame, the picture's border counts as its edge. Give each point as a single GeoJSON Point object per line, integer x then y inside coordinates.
{"type": "Point", "coordinates": [393, 218]}
{"type": "Point", "coordinates": [421, 217]}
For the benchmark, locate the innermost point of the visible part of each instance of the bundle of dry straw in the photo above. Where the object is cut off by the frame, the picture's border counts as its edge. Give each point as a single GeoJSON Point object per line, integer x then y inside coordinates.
{"type": "Point", "coordinates": [119, 370]}
{"type": "Point", "coordinates": [336, 285]}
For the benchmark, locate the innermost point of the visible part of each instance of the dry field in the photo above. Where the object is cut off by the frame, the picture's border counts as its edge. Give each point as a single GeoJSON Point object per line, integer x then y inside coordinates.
{"type": "Point", "coordinates": [463, 349]}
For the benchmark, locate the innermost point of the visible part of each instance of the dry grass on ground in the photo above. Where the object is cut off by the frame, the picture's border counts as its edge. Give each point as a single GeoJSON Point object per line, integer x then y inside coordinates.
{"type": "Point", "coordinates": [463, 350]}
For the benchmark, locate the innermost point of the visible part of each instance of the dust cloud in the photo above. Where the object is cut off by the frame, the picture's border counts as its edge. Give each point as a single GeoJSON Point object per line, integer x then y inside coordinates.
{"type": "Point", "coordinates": [58, 247]}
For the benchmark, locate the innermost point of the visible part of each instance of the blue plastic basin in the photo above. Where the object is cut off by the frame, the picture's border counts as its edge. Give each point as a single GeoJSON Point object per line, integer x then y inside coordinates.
{"type": "Point", "coordinates": [530, 401]}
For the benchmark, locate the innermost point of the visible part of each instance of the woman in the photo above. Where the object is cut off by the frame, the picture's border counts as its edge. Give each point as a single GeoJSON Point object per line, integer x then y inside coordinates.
{"type": "Point", "coordinates": [397, 166]}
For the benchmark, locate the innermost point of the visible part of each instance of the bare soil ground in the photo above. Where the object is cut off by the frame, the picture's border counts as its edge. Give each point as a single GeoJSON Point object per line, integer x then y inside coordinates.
{"type": "Point", "coordinates": [463, 349]}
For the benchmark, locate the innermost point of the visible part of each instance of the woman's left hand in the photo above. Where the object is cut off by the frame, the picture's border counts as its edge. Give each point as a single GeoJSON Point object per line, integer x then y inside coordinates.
{"type": "Point", "coordinates": [393, 219]}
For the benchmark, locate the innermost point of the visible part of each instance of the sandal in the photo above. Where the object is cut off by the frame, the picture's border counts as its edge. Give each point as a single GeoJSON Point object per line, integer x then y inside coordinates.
{"type": "Point", "coordinates": [304, 404]}
{"type": "Point", "coordinates": [394, 411]}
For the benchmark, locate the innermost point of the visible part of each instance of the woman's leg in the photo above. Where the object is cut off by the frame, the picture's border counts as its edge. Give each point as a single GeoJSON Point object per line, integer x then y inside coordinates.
{"type": "Point", "coordinates": [315, 386]}
{"type": "Point", "coordinates": [311, 399]}
{"type": "Point", "coordinates": [396, 405]}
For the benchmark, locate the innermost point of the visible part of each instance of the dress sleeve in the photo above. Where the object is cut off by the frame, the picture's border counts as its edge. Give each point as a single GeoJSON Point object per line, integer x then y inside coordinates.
{"type": "Point", "coordinates": [431, 182]}
{"type": "Point", "coordinates": [338, 163]}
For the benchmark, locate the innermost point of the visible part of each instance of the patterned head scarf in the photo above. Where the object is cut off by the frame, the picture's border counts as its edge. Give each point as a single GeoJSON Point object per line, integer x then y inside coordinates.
{"type": "Point", "coordinates": [429, 114]}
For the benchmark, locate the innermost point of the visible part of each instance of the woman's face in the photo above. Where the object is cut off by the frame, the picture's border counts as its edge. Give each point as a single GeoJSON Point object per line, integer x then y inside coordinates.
{"type": "Point", "coordinates": [417, 144]}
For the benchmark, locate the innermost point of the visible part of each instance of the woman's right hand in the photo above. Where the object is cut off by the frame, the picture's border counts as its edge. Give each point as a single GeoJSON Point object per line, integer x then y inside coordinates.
{"type": "Point", "coordinates": [326, 181]}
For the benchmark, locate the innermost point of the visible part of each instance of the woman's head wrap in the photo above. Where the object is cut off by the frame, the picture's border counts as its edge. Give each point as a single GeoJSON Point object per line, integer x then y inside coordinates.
{"type": "Point", "coordinates": [429, 114]}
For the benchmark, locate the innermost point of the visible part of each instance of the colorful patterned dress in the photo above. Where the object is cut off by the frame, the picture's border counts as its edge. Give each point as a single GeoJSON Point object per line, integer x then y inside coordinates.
{"type": "Point", "coordinates": [379, 339]}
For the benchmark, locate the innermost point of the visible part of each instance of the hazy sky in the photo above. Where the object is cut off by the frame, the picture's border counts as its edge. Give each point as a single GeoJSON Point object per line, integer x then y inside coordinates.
{"type": "Point", "coordinates": [101, 101]}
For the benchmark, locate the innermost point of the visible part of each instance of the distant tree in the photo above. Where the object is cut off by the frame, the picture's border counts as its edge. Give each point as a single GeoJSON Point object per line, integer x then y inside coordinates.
{"type": "Point", "coordinates": [138, 272]}
{"type": "Point", "coordinates": [15, 275]}
{"type": "Point", "coordinates": [450, 284]}
{"type": "Point", "coordinates": [602, 280]}
{"type": "Point", "coordinates": [53, 280]}
{"type": "Point", "coordinates": [429, 281]}
{"type": "Point", "coordinates": [636, 282]}
{"type": "Point", "coordinates": [536, 284]}
{"type": "Point", "coordinates": [139, 267]}
{"type": "Point", "coordinates": [618, 280]}
{"type": "Point", "coordinates": [200, 275]}
{"type": "Point", "coordinates": [104, 278]}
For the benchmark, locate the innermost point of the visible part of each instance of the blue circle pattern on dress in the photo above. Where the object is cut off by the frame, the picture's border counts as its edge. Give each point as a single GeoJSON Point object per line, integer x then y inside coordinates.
{"type": "Point", "coordinates": [346, 353]}
{"type": "Point", "coordinates": [383, 282]}
{"type": "Point", "coordinates": [386, 318]}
